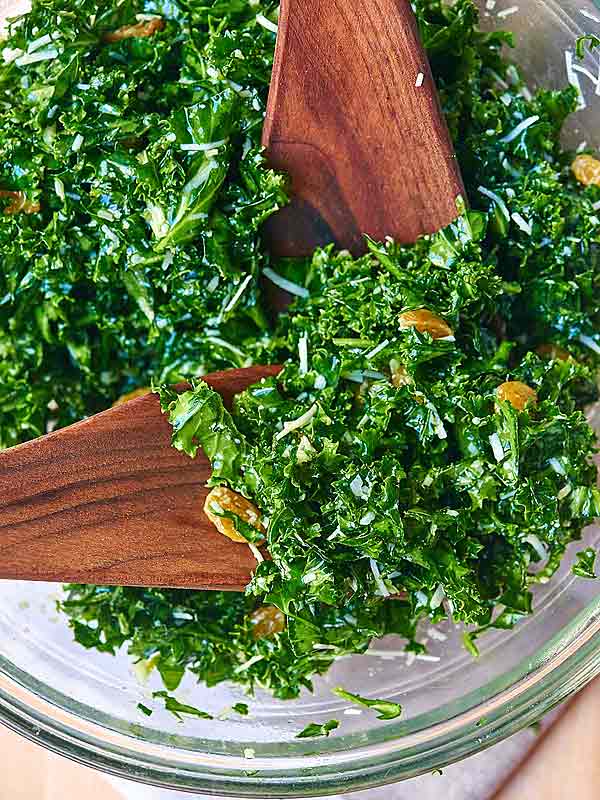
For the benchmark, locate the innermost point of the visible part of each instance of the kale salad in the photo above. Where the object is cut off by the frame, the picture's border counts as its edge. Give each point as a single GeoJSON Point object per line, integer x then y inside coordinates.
{"type": "Point", "coordinates": [423, 454]}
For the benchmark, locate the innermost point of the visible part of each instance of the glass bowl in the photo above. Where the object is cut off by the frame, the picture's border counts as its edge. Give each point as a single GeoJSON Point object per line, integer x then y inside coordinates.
{"type": "Point", "coordinates": [83, 705]}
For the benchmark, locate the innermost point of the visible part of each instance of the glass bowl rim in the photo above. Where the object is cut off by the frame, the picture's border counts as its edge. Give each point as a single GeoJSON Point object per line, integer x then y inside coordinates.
{"type": "Point", "coordinates": [394, 752]}
{"type": "Point", "coordinates": [397, 751]}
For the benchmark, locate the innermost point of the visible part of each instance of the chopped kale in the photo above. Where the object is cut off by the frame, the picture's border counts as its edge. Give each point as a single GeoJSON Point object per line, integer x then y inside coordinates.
{"type": "Point", "coordinates": [589, 41]}
{"type": "Point", "coordinates": [385, 463]}
{"type": "Point", "coordinates": [177, 709]}
{"type": "Point", "coordinates": [468, 638]}
{"type": "Point", "coordinates": [586, 561]}
{"type": "Point", "coordinates": [200, 420]}
{"type": "Point", "coordinates": [314, 729]}
{"type": "Point", "coordinates": [386, 708]}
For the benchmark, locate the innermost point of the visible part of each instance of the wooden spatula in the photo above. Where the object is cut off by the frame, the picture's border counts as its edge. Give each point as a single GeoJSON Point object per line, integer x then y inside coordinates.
{"type": "Point", "coordinates": [110, 501]}
{"type": "Point", "coordinates": [354, 118]}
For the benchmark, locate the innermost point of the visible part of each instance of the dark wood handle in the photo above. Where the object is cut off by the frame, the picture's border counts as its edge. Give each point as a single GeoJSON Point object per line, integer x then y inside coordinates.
{"type": "Point", "coordinates": [109, 501]}
{"type": "Point", "coordinates": [354, 118]}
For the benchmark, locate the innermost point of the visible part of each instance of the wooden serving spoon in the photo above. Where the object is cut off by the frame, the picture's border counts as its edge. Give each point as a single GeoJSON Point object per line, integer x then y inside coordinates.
{"type": "Point", "coordinates": [353, 117]}
{"type": "Point", "coordinates": [109, 501]}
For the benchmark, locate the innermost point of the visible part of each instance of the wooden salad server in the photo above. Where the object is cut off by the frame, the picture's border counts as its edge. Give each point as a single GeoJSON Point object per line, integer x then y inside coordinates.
{"type": "Point", "coordinates": [353, 117]}
{"type": "Point", "coordinates": [108, 500]}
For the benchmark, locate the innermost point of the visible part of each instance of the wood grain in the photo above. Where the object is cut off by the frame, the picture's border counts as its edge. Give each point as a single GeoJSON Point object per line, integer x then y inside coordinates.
{"type": "Point", "coordinates": [367, 149]}
{"type": "Point", "coordinates": [109, 501]}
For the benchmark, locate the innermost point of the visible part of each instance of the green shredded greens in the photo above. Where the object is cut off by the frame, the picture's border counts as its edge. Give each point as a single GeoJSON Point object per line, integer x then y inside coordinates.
{"type": "Point", "coordinates": [386, 709]}
{"type": "Point", "coordinates": [590, 42]}
{"type": "Point", "coordinates": [381, 457]}
{"type": "Point", "coordinates": [314, 729]}
{"type": "Point", "coordinates": [586, 563]}
{"type": "Point", "coordinates": [177, 708]}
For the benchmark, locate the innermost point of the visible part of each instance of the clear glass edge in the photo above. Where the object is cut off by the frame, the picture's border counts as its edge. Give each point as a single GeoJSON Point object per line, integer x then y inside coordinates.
{"type": "Point", "coordinates": [399, 751]}
{"type": "Point", "coordinates": [344, 763]}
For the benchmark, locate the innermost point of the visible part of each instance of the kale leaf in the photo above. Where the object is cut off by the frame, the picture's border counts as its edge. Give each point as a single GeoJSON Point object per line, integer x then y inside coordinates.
{"type": "Point", "coordinates": [177, 708]}
{"type": "Point", "coordinates": [386, 708]}
{"type": "Point", "coordinates": [199, 419]}
{"type": "Point", "coordinates": [585, 566]}
{"type": "Point", "coordinates": [314, 729]}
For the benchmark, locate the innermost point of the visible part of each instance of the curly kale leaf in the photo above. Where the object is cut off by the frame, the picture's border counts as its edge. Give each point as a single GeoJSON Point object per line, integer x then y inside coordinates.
{"type": "Point", "coordinates": [589, 41]}
{"type": "Point", "coordinates": [314, 729]}
{"type": "Point", "coordinates": [178, 708]}
{"type": "Point", "coordinates": [386, 708]}
{"type": "Point", "coordinates": [199, 419]}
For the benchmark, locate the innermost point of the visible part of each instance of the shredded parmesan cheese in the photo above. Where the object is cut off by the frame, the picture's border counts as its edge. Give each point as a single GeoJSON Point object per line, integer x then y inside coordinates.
{"type": "Point", "coordinates": [378, 579]}
{"type": "Point", "coordinates": [34, 58]}
{"type": "Point", "coordinates": [497, 448]}
{"type": "Point", "coordinates": [247, 664]}
{"type": "Point", "coordinates": [566, 489]}
{"type": "Point", "coordinates": [232, 303]}
{"type": "Point", "coordinates": [368, 518]}
{"type": "Point", "coordinates": [359, 488]}
{"type": "Point", "coordinates": [438, 597]}
{"type": "Point", "coordinates": [506, 12]}
{"type": "Point", "coordinates": [372, 353]}
{"type": "Point", "coordinates": [496, 198]}
{"type": "Point", "coordinates": [59, 188]}
{"type": "Point", "coordinates": [77, 142]}
{"type": "Point", "coordinates": [522, 223]}
{"type": "Point", "coordinates": [288, 427]}
{"type": "Point", "coordinates": [200, 148]}
{"type": "Point", "coordinates": [303, 354]}
{"type": "Point", "coordinates": [520, 128]}
{"type": "Point", "coordinates": [283, 283]}
{"type": "Point", "coordinates": [358, 376]}
{"type": "Point", "coordinates": [595, 79]}
{"type": "Point", "coordinates": [266, 23]}
{"type": "Point", "coordinates": [256, 552]}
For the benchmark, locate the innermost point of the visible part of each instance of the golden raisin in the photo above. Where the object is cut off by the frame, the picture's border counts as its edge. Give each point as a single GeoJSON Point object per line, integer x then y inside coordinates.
{"type": "Point", "coordinates": [360, 392]}
{"type": "Point", "coordinates": [553, 352]}
{"type": "Point", "coordinates": [145, 28]}
{"type": "Point", "coordinates": [19, 203]}
{"type": "Point", "coordinates": [517, 394]}
{"type": "Point", "coordinates": [143, 390]}
{"type": "Point", "coordinates": [425, 322]}
{"type": "Point", "coordinates": [222, 498]}
{"type": "Point", "coordinates": [400, 376]}
{"type": "Point", "coordinates": [267, 621]}
{"type": "Point", "coordinates": [587, 170]}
